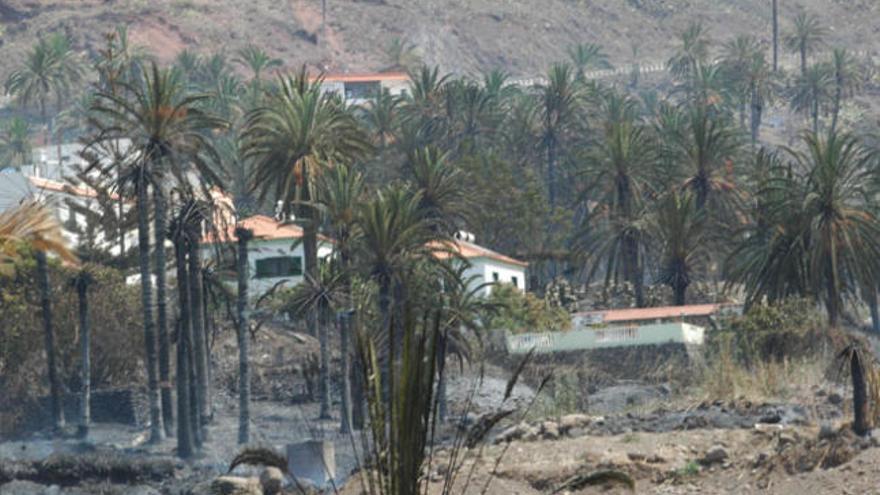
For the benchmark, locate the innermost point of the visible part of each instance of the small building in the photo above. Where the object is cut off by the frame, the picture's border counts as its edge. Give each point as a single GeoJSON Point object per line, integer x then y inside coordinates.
{"type": "Point", "coordinates": [485, 267]}
{"type": "Point", "coordinates": [700, 314]}
{"type": "Point", "coordinates": [360, 88]}
{"type": "Point", "coordinates": [275, 255]}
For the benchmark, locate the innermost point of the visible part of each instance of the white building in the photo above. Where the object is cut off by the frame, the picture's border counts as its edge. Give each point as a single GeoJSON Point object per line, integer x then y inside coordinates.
{"type": "Point", "coordinates": [484, 266]}
{"type": "Point", "coordinates": [275, 254]}
{"type": "Point", "coordinates": [358, 89]}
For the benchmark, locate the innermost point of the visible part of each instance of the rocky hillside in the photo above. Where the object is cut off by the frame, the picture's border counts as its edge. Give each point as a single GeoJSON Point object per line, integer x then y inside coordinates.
{"type": "Point", "coordinates": [520, 36]}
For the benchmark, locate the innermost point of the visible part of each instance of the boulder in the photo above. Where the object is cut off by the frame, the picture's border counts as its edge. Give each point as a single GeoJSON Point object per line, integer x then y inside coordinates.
{"type": "Point", "coordinates": [549, 430]}
{"type": "Point", "coordinates": [272, 480]}
{"type": "Point", "coordinates": [572, 421]}
{"type": "Point", "coordinates": [715, 455]}
{"type": "Point", "coordinates": [228, 485]}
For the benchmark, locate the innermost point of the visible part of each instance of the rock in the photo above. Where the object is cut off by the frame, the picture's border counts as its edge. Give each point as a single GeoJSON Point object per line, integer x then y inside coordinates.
{"type": "Point", "coordinates": [228, 485]}
{"type": "Point", "coordinates": [515, 432]}
{"type": "Point", "coordinates": [271, 480]}
{"type": "Point", "coordinates": [715, 455]}
{"type": "Point", "coordinates": [19, 487]}
{"type": "Point", "coordinates": [635, 456]}
{"type": "Point", "coordinates": [549, 430]}
{"type": "Point", "coordinates": [772, 418]}
{"type": "Point", "coordinates": [786, 439]}
{"type": "Point", "coordinates": [572, 421]}
{"type": "Point", "coordinates": [835, 398]}
{"type": "Point", "coordinates": [826, 431]}
{"type": "Point", "coordinates": [655, 459]}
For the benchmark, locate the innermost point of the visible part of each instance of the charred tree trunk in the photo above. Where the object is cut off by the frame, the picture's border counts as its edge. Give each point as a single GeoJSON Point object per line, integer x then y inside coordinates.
{"type": "Point", "coordinates": [82, 293]}
{"type": "Point", "coordinates": [157, 431]}
{"type": "Point", "coordinates": [343, 320]}
{"type": "Point", "coordinates": [860, 392]}
{"type": "Point", "coordinates": [324, 372]}
{"type": "Point", "coordinates": [244, 374]}
{"type": "Point", "coordinates": [775, 36]}
{"type": "Point", "coordinates": [160, 220]}
{"type": "Point", "coordinates": [49, 341]}
{"type": "Point", "coordinates": [200, 348]}
{"type": "Point", "coordinates": [185, 443]}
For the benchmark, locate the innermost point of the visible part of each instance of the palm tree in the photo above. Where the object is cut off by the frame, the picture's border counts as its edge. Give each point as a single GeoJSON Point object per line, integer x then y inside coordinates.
{"type": "Point", "coordinates": [775, 36]}
{"type": "Point", "coordinates": [15, 144]}
{"type": "Point", "coordinates": [618, 171]}
{"type": "Point", "coordinates": [402, 55]}
{"type": "Point", "coordinates": [692, 52]}
{"type": "Point", "coordinates": [300, 133]}
{"type": "Point", "coordinates": [705, 145]}
{"type": "Point", "coordinates": [678, 228]}
{"type": "Point", "coordinates": [257, 61]}
{"type": "Point", "coordinates": [845, 73]}
{"type": "Point", "coordinates": [160, 219]}
{"type": "Point", "coordinates": [243, 327]}
{"type": "Point", "coordinates": [444, 200]}
{"type": "Point", "coordinates": [808, 35]}
{"type": "Point", "coordinates": [166, 129]}
{"type": "Point", "coordinates": [839, 228]}
{"type": "Point", "coordinates": [811, 90]}
{"type": "Point", "coordinates": [380, 116]}
{"type": "Point", "coordinates": [81, 283]}
{"type": "Point", "coordinates": [560, 98]}
{"type": "Point", "coordinates": [37, 80]}
{"type": "Point", "coordinates": [35, 225]}
{"type": "Point", "coordinates": [585, 56]}
{"type": "Point", "coordinates": [737, 58]}
{"type": "Point", "coordinates": [187, 418]}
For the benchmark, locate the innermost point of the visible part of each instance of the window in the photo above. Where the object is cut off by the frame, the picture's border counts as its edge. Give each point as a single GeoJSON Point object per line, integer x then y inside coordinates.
{"type": "Point", "coordinates": [514, 281]}
{"type": "Point", "coordinates": [281, 266]}
{"type": "Point", "coordinates": [495, 276]}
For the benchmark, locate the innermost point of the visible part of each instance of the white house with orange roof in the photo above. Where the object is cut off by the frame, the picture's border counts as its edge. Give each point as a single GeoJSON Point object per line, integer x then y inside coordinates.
{"type": "Point", "coordinates": [275, 254]}
{"type": "Point", "coordinates": [358, 88]}
{"type": "Point", "coordinates": [484, 266]}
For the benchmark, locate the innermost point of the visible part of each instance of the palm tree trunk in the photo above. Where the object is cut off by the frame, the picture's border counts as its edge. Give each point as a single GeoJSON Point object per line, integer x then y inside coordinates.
{"type": "Point", "coordinates": [49, 337]}
{"type": "Point", "coordinates": [358, 398]}
{"type": "Point", "coordinates": [243, 317]}
{"type": "Point", "coordinates": [343, 320]}
{"type": "Point", "coordinates": [324, 381]}
{"type": "Point", "coordinates": [442, 403]}
{"type": "Point", "coordinates": [875, 312]}
{"type": "Point", "coordinates": [775, 36]}
{"type": "Point", "coordinates": [680, 293]}
{"type": "Point", "coordinates": [832, 303]}
{"type": "Point", "coordinates": [803, 50]}
{"type": "Point", "coordinates": [757, 115]}
{"type": "Point", "coordinates": [835, 111]}
{"type": "Point", "coordinates": [198, 328]}
{"type": "Point", "coordinates": [82, 289]}
{"type": "Point", "coordinates": [860, 393]}
{"type": "Point", "coordinates": [185, 444]}
{"type": "Point", "coordinates": [157, 432]}
{"type": "Point", "coordinates": [160, 221]}
{"type": "Point", "coordinates": [815, 114]}
{"type": "Point", "coordinates": [551, 190]}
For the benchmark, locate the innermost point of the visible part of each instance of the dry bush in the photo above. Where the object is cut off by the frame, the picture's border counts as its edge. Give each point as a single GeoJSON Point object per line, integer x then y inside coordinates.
{"type": "Point", "coordinates": [116, 337]}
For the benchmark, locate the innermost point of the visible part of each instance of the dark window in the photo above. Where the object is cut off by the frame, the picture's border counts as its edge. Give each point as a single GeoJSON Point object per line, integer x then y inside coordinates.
{"type": "Point", "coordinates": [514, 281]}
{"type": "Point", "coordinates": [495, 277]}
{"type": "Point", "coordinates": [282, 266]}
{"type": "Point", "coordinates": [362, 90]}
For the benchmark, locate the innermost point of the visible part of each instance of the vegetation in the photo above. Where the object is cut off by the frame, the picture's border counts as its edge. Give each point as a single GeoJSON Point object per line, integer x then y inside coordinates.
{"type": "Point", "coordinates": [584, 179]}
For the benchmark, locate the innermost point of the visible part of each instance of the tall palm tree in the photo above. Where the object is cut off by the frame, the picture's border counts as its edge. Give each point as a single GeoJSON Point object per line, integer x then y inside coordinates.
{"type": "Point", "coordinates": [560, 98]}
{"type": "Point", "coordinates": [444, 200]}
{"type": "Point", "coordinates": [167, 131]}
{"type": "Point", "coordinates": [243, 237]}
{"type": "Point", "coordinates": [737, 58]}
{"type": "Point", "coordinates": [618, 171]}
{"type": "Point", "coordinates": [380, 116]}
{"type": "Point", "coordinates": [38, 80]}
{"type": "Point", "coordinates": [811, 90]}
{"type": "Point", "coordinates": [15, 144]}
{"type": "Point", "coordinates": [839, 227]}
{"type": "Point", "coordinates": [292, 140]}
{"type": "Point", "coordinates": [34, 224]}
{"type": "Point", "coordinates": [808, 35]}
{"type": "Point", "coordinates": [81, 283]}
{"type": "Point", "coordinates": [845, 73]}
{"type": "Point", "coordinates": [679, 230]}
{"type": "Point", "coordinates": [586, 56]}
{"type": "Point", "coordinates": [692, 52]}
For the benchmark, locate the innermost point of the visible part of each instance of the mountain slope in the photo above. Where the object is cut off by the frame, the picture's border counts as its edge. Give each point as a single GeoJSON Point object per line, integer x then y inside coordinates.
{"type": "Point", "coordinates": [520, 36]}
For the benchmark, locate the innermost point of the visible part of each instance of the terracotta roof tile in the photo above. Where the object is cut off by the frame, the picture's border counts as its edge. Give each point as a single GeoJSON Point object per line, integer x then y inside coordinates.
{"type": "Point", "coordinates": [636, 314]}
{"type": "Point", "coordinates": [470, 250]}
{"type": "Point", "coordinates": [365, 77]}
{"type": "Point", "coordinates": [264, 228]}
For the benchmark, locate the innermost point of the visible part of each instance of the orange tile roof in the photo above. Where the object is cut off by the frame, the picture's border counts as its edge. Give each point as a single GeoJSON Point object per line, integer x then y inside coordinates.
{"type": "Point", "coordinates": [636, 314]}
{"type": "Point", "coordinates": [264, 228]}
{"type": "Point", "coordinates": [365, 77]}
{"type": "Point", "coordinates": [61, 187]}
{"type": "Point", "coordinates": [470, 250]}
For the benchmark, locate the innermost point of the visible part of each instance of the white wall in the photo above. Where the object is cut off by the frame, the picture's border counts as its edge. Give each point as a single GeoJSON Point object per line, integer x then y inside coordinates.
{"type": "Point", "coordinates": [485, 267]}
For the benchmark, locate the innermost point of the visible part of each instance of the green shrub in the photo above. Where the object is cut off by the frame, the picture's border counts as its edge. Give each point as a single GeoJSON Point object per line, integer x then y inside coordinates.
{"type": "Point", "coordinates": [514, 311]}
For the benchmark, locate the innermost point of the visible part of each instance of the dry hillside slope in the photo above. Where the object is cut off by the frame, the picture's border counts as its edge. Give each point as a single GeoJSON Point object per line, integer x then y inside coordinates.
{"type": "Point", "coordinates": [520, 36]}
